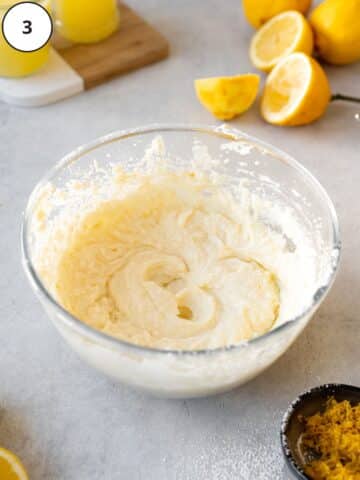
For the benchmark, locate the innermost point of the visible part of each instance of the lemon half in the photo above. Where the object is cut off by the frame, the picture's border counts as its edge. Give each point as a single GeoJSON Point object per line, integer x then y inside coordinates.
{"type": "Point", "coordinates": [227, 97]}
{"type": "Point", "coordinates": [296, 92]}
{"type": "Point", "coordinates": [284, 34]}
{"type": "Point", "coordinates": [11, 467]}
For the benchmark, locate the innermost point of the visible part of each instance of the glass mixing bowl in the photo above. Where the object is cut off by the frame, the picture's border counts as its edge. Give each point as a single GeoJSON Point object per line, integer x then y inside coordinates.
{"type": "Point", "coordinates": [269, 172]}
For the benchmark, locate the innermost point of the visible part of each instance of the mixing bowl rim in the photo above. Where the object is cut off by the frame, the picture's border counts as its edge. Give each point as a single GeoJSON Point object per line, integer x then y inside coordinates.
{"type": "Point", "coordinates": [225, 132]}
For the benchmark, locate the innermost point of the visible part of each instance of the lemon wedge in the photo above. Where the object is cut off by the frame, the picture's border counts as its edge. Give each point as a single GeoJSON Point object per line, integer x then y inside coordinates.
{"type": "Point", "coordinates": [296, 91]}
{"type": "Point", "coordinates": [11, 467]}
{"type": "Point", "coordinates": [227, 97]}
{"type": "Point", "coordinates": [284, 34]}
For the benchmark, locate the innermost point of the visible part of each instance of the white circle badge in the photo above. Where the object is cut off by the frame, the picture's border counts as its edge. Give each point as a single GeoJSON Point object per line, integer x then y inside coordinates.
{"type": "Point", "coordinates": [27, 26]}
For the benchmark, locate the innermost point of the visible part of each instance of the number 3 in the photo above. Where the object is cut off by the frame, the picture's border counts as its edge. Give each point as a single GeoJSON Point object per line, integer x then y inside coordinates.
{"type": "Point", "coordinates": [27, 27]}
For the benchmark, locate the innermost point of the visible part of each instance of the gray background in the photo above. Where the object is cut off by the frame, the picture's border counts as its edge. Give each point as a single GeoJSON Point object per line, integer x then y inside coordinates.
{"type": "Point", "coordinates": [68, 422]}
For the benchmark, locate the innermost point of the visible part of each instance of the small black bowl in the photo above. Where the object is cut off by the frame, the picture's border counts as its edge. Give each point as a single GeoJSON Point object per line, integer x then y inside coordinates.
{"type": "Point", "coordinates": [306, 405]}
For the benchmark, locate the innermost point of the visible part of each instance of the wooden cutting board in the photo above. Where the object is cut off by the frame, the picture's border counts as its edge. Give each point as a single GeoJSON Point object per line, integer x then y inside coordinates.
{"type": "Point", "coordinates": [134, 45]}
{"type": "Point", "coordinates": [72, 68]}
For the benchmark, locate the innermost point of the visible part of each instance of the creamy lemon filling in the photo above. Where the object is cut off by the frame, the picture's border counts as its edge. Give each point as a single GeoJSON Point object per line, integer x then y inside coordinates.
{"type": "Point", "coordinates": [169, 265]}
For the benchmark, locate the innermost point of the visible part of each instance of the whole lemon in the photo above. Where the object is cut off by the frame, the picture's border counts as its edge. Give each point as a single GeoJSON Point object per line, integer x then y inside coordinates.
{"type": "Point", "coordinates": [336, 24]}
{"type": "Point", "coordinates": [260, 11]}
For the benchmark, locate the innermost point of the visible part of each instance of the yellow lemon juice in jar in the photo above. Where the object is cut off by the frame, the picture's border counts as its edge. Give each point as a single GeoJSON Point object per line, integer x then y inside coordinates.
{"type": "Point", "coordinates": [14, 63]}
{"type": "Point", "coordinates": [86, 21]}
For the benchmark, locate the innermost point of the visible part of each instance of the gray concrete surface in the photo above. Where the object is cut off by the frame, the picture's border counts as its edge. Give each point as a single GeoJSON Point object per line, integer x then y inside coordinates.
{"type": "Point", "coordinates": [66, 421]}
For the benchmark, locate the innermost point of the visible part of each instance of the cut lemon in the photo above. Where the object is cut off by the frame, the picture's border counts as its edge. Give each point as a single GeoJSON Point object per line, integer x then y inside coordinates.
{"type": "Point", "coordinates": [10, 466]}
{"type": "Point", "coordinates": [296, 92]}
{"type": "Point", "coordinates": [227, 97]}
{"type": "Point", "coordinates": [284, 34]}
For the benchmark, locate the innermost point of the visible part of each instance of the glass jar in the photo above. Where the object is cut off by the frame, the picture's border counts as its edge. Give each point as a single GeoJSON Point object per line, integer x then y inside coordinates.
{"type": "Point", "coordinates": [84, 21]}
{"type": "Point", "coordinates": [14, 63]}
